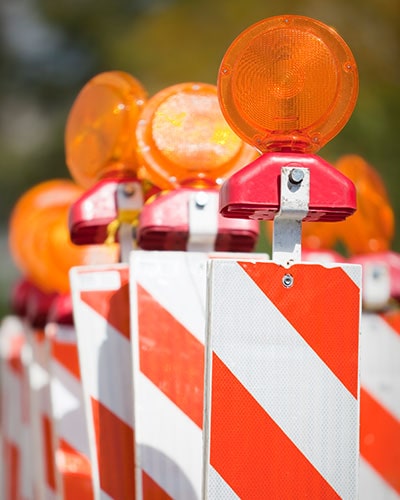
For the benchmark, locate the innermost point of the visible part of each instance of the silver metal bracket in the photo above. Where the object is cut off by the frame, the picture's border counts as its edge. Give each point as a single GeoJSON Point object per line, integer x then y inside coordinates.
{"type": "Point", "coordinates": [129, 202]}
{"type": "Point", "coordinates": [294, 206]}
{"type": "Point", "coordinates": [203, 221]}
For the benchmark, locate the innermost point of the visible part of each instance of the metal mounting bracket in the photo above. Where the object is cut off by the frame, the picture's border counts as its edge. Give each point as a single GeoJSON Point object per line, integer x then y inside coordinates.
{"type": "Point", "coordinates": [294, 206]}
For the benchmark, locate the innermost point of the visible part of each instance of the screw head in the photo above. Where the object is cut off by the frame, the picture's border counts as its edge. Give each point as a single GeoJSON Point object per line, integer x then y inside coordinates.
{"type": "Point", "coordinates": [201, 199]}
{"type": "Point", "coordinates": [296, 176]}
{"type": "Point", "coordinates": [129, 189]}
{"type": "Point", "coordinates": [287, 280]}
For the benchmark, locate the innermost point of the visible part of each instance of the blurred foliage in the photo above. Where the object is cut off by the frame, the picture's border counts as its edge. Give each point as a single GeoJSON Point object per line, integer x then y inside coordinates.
{"type": "Point", "coordinates": [51, 48]}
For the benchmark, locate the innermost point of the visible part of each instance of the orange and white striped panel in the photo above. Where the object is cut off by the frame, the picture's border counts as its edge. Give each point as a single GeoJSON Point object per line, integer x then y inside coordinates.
{"type": "Point", "coordinates": [68, 414]}
{"type": "Point", "coordinates": [101, 314]}
{"type": "Point", "coordinates": [168, 298]}
{"type": "Point", "coordinates": [380, 406]}
{"type": "Point", "coordinates": [46, 477]}
{"type": "Point", "coordinates": [168, 316]}
{"type": "Point", "coordinates": [16, 453]}
{"type": "Point", "coordinates": [282, 410]}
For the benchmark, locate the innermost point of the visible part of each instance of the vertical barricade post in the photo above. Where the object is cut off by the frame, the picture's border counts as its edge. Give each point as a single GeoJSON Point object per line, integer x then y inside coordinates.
{"type": "Point", "coordinates": [367, 238]}
{"type": "Point", "coordinates": [186, 145]}
{"type": "Point", "coordinates": [16, 449]}
{"type": "Point", "coordinates": [101, 314]}
{"type": "Point", "coordinates": [282, 343]}
{"type": "Point", "coordinates": [67, 403]}
{"type": "Point", "coordinates": [102, 158]}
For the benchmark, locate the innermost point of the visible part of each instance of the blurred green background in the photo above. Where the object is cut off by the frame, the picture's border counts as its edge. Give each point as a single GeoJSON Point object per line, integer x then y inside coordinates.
{"type": "Point", "coordinates": [50, 48]}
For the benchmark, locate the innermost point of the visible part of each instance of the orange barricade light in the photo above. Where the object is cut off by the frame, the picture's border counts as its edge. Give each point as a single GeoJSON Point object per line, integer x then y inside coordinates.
{"type": "Point", "coordinates": [39, 237]}
{"type": "Point", "coordinates": [183, 138]}
{"type": "Point", "coordinates": [185, 142]}
{"type": "Point", "coordinates": [100, 144]}
{"type": "Point", "coordinates": [371, 228]}
{"type": "Point", "coordinates": [100, 131]}
{"type": "Point", "coordinates": [288, 83]}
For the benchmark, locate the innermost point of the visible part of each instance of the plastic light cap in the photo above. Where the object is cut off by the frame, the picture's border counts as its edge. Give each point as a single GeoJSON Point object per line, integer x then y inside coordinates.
{"type": "Point", "coordinates": [39, 237]}
{"type": "Point", "coordinates": [288, 83]}
{"type": "Point", "coordinates": [371, 228]}
{"type": "Point", "coordinates": [183, 138]}
{"type": "Point", "coordinates": [100, 130]}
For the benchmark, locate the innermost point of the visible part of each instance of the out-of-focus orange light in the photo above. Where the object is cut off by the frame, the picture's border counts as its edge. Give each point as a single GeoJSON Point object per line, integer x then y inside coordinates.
{"type": "Point", "coordinates": [39, 236]}
{"type": "Point", "coordinates": [100, 131]}
{"type": "Point", "coordinates": [183, 138]}
{"type": "Point", "coordinates": [319, 235]}
{"type": "Point", "coordinates": [371, 228]}
{"type": "Point", "coordinates": [288, 83]}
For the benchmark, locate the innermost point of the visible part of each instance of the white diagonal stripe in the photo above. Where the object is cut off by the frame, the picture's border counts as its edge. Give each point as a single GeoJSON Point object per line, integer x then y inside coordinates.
{"type": "Point", "coordinates": [288, 379]}
{"type": "Point", "coordinates": [169, 444]}
{"type": "Point", "coordinates": [105, 362]}
{"type": "Point", "coordinates": [217, 487]}
{"type": "Point", "coordinates": [177, 281]}
{"type": "Point", "coordinates": [68, 408]}
{"type": "Point", "coordinates": [379, 364]}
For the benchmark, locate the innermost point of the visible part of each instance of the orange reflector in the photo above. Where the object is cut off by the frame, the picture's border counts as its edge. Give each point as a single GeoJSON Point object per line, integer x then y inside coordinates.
{"type": "Point", "coordinates": [371, 228]}
{"type": "Point", "coordinates": [288, 83]}
{"type": "Point", "coordinates": [100, 131]}
{"type": "Point", "coordinates": [39, 236]}
{"type": "Point", "coordinates": [183, 138]}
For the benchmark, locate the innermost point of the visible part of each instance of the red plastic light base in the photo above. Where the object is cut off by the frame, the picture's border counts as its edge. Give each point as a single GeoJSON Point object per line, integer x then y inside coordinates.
{"type": "Point", "coordinates": [30, 302]}
{"type": "Point", "coordinates": [60, 311]}
{"type": "Point", "coordinates": [254, 191]}
{"type": "Point", "coordinates": [91, 214]}
{"type": "Point", "coordinates": [164, 225]}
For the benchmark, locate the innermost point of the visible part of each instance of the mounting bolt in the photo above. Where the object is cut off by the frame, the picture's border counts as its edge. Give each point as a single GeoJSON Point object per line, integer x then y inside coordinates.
{"type": "Point", "coordinates": [287, 280]}
{"type": "Point", "coordinates": [296, 176]}
{"type": "Point", "coordinates": [129, 189]}
{"type": "Point", "coordinates": [201, 199]}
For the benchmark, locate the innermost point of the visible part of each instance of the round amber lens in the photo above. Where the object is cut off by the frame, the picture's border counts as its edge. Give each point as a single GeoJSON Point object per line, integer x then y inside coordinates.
{"type": "Point", "coordinates": [183, 137]}
{"type": "Point", "coordinates": [371, 228]}
{"type": "Point", "coordinates": [288, 82]}
{"type": "Point", "coordinates": [39, 236]}
{"type": "Point", "coordinates": [100, 130]}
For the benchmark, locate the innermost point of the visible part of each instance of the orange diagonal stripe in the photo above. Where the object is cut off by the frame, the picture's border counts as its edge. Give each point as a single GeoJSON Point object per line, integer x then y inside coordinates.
{"type": "Point", "coordinates": [380, 439]}
{"type": "Point", "coordinates": [112, 305]}
{"type": "Point", "coordinates": [151, 490]}
{"type": "Point", "coordinates": [323, 305]}
{"type": "Point", "coordinates": [76, 474]}
{"type": "Point", "coordinates": [251, 452]}
{"type": "Point", "coordinates": [115, 453]}
{"type": "Point", "coordinates": [67, 355]}
{"type": "Point", "coordinates": [171, 357]}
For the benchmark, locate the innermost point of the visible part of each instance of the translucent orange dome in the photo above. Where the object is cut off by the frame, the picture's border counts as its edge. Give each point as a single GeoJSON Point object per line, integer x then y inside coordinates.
{"type": "Point", "coordinates": [288, 83]}
{"type": "Point", "coordinates": [39, 236]}
{"type": "Point", "coordinates": [371, 228]}
{"type": "Point", "coordinates": [183, 138]}
{"type": "Point", "coordinates": [100, 132]}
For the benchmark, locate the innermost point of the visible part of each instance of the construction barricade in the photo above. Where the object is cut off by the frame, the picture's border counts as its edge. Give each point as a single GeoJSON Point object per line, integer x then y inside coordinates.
{"type": "Point", "coordinates": [101, 313]}
{"type": "Point", "coordinates": [168, 301]}
{"type": "Point", "coordinates": [16, 438]}
{"type": "Point", "coordinates": [67, 404]}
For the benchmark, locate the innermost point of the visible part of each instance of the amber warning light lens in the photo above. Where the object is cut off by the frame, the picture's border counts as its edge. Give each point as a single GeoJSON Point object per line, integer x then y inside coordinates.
{"type": "Point", "coordinates": [288, 83]}
{"type": "Point", "coordinates": [183, 138]}
{"type": "Point", "coordinates": [100, 131]}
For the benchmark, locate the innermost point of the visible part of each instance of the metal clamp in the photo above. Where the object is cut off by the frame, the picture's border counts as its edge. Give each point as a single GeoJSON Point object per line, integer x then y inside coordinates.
{"type": "Point", "coordinates": [203, 221]}
{"type": "Point", "coordinates": [129, 200]}
{"type": "Point", "coordinates": [294, 207]}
